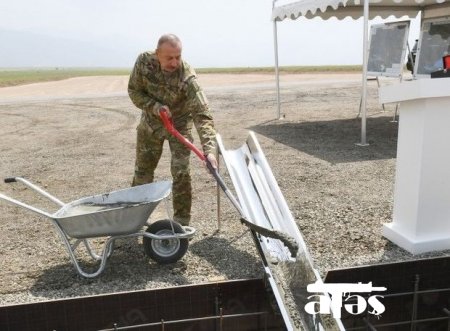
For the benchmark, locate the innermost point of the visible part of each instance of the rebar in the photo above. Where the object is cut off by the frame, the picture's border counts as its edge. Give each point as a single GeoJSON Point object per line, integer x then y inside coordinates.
{"type": "Point", "coordinates": [195, 319]}
{"type": "Point", "coordinates": [415, 301]}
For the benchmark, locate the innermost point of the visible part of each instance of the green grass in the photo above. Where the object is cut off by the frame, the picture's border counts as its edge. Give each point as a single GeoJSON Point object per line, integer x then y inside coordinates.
{"type": "Point", "coordinates": [11, 77]}
{"type": "Point", "coordinates": [286, 69]}
{"type": "Point", "coordinates": [19, 76]}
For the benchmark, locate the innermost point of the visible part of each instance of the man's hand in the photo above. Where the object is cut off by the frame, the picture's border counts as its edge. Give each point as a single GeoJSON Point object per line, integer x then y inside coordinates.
{"type": "Point", "coordinates": [212, 160]}
{"type": "Point", "coordinates": [166, 110]}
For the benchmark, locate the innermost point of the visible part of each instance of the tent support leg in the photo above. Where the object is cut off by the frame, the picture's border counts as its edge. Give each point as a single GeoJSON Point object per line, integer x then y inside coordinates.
{"type": "Point", "coordinates": [364, 88]}
{"type": "Point", "coordinates": [277, 73]}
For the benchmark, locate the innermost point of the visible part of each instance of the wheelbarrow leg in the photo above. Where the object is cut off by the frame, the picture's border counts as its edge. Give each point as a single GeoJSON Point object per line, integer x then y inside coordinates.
{"type": "Point", "coordinates": [107, 250]}
{"type": "Point", "coordinates": [91, 251]}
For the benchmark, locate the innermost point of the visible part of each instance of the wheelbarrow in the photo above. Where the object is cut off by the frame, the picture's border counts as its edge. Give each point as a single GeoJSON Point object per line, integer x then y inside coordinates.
{"type": "Point", "coordinates": [118, 214]}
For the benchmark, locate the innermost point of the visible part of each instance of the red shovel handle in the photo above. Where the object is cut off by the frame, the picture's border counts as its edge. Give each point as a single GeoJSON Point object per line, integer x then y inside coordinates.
{"type": "Point", "coordinates": [168, 124]}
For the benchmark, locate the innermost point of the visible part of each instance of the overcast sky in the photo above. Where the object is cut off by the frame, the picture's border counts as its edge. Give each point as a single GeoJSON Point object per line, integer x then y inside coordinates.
{"type": "Point", "coordinates": [215, 33]}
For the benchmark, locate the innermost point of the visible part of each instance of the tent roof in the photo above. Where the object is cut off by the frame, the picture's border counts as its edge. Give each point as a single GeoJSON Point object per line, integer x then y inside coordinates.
{"type": "Point", "coordinates": [353, 8]}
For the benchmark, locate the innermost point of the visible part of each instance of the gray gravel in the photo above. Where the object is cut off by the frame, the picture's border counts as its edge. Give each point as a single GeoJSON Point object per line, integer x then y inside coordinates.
{"type": "Point", "coordinates": [340, 194]}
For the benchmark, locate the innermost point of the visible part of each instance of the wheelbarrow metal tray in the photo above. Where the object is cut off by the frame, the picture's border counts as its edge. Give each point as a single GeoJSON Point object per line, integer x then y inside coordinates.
{"type": "Point", "coordinates": [111, 214]}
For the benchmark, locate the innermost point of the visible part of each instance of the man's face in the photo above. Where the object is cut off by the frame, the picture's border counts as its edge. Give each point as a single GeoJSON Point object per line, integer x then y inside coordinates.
{"type": "Point", "coordinates": [169, 57]}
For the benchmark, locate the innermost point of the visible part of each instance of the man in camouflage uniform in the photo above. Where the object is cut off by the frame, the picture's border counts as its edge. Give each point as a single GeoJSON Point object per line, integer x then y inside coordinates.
{"type": "Point", "coordinates": [161, 80]}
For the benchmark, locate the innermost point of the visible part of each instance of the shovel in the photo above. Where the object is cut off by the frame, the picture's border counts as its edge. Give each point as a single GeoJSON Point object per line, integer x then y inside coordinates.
{"type": "Point", "coordinates": [288, 241]}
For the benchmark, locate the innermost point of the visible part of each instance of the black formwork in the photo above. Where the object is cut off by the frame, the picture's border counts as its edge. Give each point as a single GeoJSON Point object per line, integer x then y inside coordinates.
{"type": "Point", "coordinates": [234, 305]}
{"type": "Point", "coordinates": [417, 295]}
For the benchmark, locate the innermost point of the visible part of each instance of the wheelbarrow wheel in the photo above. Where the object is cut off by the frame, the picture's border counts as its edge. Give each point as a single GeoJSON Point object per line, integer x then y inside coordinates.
{"type": "Point", "coordinates": [165, 251]}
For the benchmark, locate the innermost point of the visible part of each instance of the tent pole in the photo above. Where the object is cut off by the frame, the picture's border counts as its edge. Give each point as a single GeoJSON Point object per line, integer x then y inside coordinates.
{"type": "Point", "coordinates": [364, 78]}
{"type": "Point", "coordinates": [277, 74]}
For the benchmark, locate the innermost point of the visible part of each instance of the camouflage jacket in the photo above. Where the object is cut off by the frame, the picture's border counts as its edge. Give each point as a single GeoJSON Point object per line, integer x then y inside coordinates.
{"type": "Point", "coordinates": [150, 88]}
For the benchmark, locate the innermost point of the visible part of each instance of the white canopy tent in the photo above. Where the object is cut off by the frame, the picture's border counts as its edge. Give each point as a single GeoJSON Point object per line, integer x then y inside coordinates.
{"type": "Point", "coordinates": [355, 9]}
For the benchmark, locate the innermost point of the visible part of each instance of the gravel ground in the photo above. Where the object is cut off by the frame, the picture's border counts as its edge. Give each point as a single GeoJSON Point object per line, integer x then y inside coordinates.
{"type": "Point", "coordinates": [340, 194]}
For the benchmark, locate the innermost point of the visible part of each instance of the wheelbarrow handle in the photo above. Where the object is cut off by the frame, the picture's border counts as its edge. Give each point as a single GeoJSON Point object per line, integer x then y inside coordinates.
{"type": "Point", "coordinates": [35, 188]}
{"type": "Point", "coordinates": [24, 205]}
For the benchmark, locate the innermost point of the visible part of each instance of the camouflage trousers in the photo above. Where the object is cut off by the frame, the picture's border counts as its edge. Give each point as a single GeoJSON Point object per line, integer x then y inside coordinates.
{"type": "Point", "coordinates": [149, 147]}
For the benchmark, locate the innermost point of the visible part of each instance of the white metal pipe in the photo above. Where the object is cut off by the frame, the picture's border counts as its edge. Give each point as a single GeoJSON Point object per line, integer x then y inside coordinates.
{"type": "Point", "coordinates": [364, 78]}
{"type": "Point", "coordinates": [277, 73]}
